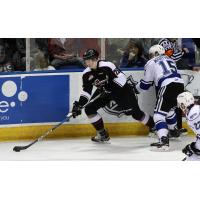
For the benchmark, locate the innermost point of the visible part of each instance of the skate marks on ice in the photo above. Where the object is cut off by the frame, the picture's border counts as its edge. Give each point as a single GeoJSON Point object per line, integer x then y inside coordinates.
{"type": "Point", "coordinates": [120, 148]}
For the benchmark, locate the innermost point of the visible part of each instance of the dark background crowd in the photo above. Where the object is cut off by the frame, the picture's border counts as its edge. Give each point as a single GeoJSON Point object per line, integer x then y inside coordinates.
{"type": "Point", "coordinates": [66, 53]}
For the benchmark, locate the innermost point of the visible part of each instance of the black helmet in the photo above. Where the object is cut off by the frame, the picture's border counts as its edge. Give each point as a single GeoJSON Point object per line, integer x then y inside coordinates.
{"type": "Point", "coordinates": [90, 54]}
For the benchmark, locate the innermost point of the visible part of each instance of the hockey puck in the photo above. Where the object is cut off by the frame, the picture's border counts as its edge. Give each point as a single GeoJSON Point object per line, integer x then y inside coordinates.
{"type": "Point", "coordinates": [16, 149]}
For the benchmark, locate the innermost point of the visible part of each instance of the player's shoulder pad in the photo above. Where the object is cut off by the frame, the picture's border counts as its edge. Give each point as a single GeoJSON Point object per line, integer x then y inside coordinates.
{"type": "Point", "coordinates": [103, 63]}
{"type": "Point", "coordinates": [86, 70]}
{"type": "Point", "coordinates": [193, 113]}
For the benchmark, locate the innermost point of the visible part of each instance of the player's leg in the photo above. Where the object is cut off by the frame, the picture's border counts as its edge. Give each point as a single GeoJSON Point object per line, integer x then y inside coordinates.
{"type": "Point", "coordinates": [176, 89]}
{"type": "Point", "coordinates": [171, 120]}
{"type": "Point", "coordinates": [179, 122]}
{"type": "Point", "coordinates": [166, 100]}
{"type": "Point", "coordinates": [143, 117]}
{"type": "Point", "coordinates": [129, 103]}
{"type": "Point", "coordinates": [162, 132]}
{"type": "Point", "coordinates": [96, 119]}
{"type": "Point", "coordinates": [179, 118]}
{"type": "Point", "coordinates": [160, 113]}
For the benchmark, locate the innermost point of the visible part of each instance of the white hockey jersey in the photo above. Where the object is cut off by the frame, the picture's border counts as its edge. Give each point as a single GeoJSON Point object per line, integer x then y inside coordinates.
{"type": "Point", "coordinates": [160, 71]}
{"type": "Point", "coordinates": [193, 120]}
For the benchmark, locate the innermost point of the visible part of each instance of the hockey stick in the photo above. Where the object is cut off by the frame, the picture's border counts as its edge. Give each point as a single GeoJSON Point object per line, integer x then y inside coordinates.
{"type": "Point", "coordinates": [184, 159]}
{"type": "Point", "coordinates": [19, 148]}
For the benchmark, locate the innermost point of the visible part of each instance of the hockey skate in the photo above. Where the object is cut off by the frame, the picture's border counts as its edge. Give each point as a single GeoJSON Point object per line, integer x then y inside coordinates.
{"type": "Point", "coordinates": [183, 131]}
{"type": "Point", "coordinates": [101, 137]}
{"type": "Point", "coordinates": [174, 133]}
{"type": "Point", "coordinates": [162, 145]}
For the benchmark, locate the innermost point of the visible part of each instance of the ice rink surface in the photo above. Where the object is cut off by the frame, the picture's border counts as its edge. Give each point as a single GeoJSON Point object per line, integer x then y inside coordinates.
{"type": "Point", "coordinates": [120, 148]}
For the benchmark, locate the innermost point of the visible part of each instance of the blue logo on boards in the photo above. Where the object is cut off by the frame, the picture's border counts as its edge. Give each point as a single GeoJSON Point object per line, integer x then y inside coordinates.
{"type": "Point", "coordinates": [34, 99]}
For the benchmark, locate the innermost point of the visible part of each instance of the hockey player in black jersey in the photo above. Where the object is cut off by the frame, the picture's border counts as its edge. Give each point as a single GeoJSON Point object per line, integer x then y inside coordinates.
{"type": "Point", "coordinates": [111, 84]}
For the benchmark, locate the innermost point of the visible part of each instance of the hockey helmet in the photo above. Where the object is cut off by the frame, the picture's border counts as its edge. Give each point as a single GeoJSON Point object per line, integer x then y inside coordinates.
{"type": "Point", "coordinates": [156, 50]}
{"type": "Point", "coordinates": [90, 54]}
{"type": "Point", "coordinates": [185, 100]}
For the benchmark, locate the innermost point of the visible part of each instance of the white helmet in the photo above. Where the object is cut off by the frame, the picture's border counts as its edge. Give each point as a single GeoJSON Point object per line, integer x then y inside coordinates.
{"type": "Point", "coordinates": [184, 100]}
{"type": "Point", "coordinates": [156, 50]}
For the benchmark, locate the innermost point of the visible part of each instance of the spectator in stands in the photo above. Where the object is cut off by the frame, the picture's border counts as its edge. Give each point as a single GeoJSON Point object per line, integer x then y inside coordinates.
{"type": "Point", "coordinates": [197, 53]}
{"type": "Point", "coordinates": [19, 54]}
{"type": "Point", "coordinates": [15, 52]}
{"type": "Point", "coordinates": [40, 54]}
{"type": "Point", "coordinates": [133, 55]}
{"type": "Point", "coordinates": [197, 42]}
{"type": "Point", "coordinates": [63, 53]}
{"type": "Point", "coordinates": [146, 44]}
{"type": "Point", "coordinates": [174, 51]}
{"type": "Point", "coordinates": [5, 65]}
{"type": "Point", "coordinates": [88, 43]}
{"type": "Point", "coordinates": [115, 48]}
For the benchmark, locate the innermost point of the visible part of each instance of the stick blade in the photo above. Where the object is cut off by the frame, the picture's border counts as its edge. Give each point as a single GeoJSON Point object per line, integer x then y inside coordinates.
{"type": "Point", "coordinates": [19, 148]}
{"type": "Point", "coordinates": [184, 159]}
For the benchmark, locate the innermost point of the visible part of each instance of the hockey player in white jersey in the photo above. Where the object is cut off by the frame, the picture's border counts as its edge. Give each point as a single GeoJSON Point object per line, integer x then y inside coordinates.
{"type": "Point", "coordinates": [174, 51]}
{"type": "Point", "coordinates": [161, 71]}
{"type": "Point", "coordinates": [186, 103]}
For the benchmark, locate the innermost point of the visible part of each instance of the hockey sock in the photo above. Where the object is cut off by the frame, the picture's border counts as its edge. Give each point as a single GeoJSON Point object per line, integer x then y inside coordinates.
{"type": "Point", "coordinates": [179, 118]}
{"type": "Point", "coordinates": [148, 121]}
{"type": "Point", "coordinates": [160, 124]}
{"type": "Point", "coordinates": [97, 122]}
{"type": "Point", "coordinates": [171, 120]}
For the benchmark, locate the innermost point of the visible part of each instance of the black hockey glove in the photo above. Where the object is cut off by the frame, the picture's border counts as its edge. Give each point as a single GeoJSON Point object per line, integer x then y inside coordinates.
{"type": "Point", "coordinates": [191, 149]}
{"type": "Point", "coordinates": [76, 110]}
{"type": "Point", "coordinates": [101, 81]}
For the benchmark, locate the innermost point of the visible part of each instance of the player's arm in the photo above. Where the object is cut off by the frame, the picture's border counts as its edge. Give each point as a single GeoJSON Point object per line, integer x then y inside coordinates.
{"type": "Point", "coordinates": [83, 99]}
{"type": "Point", "coordinates": [148, 80]}
{"type": "Point", "coordinates": [195, 126]}
{"type": "Point", "coordinates": [120, 78]}
{"type": "Point", "coordinates": [117, 76]}
{"type": "Point", "coordinates": [85, 94]}
{"type": "Point", "coordinates": [194, 147]}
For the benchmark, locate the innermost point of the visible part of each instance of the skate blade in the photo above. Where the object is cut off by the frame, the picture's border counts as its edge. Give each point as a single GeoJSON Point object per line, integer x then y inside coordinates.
{"type": "Point", "coordinates": [161, 149]}
{"type": "Point", "coordinates": [106, 142]}
{"type": "Point", "coordinates": [101, 142]}
{"type": "Point", "coordinates": [184, 133]}
{"type": "Point", "coordinates": [184, 159]}
{"type": "Point", "coordinates": [175, 138]}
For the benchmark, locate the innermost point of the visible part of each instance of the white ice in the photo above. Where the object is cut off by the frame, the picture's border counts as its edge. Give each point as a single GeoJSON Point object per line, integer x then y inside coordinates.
{"type": "Point", "coordinates": [120, 148]}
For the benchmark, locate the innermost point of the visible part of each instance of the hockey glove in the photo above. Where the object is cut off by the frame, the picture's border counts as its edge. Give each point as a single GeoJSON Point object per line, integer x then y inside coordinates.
{"type": "Point", "coordinates": [76, 110]}
{"type": "Point", "coordinates": [191, 149]}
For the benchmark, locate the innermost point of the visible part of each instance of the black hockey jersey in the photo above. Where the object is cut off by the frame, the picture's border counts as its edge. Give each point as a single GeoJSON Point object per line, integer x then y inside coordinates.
{"type": "Point", "coordinates": [106, 77]}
